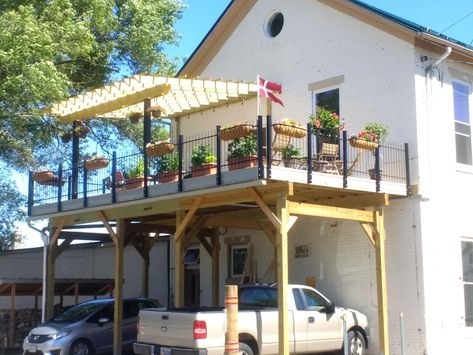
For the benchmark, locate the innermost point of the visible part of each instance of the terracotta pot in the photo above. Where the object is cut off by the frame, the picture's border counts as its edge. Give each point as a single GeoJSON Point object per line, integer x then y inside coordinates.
{"type": "Point", "coordinates": [168, 177]}
{"type": "Point", "coordinates": [206, 169]}
{"type": "Point", "coordinates": [242, 163]}
{"type": "Point", "coordinates": [135, 183]}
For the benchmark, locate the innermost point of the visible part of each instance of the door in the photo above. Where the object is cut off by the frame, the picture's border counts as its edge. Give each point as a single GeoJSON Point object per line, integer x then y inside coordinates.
{"type": "Point", "coordinates": [191, 287]}
{"type": "Point", "coordinates": [324, 329]}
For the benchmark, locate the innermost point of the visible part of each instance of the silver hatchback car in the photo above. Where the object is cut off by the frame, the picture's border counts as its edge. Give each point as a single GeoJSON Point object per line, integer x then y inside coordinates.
{"type": "Point", "coordinates": [86, 328]}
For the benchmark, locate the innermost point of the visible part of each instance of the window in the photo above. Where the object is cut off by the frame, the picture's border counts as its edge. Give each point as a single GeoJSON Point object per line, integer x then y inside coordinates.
{"type": "Point", "coordinates": [467, 257]}
{"type": "Point", "coordinates": [315, 302]}
{"type": "Point", "coordinates": [192, 256]}
{"type": "Point", "coordinates": [461, 107]}
{"type": "Point", "coordinates": [274, 24]}
{"type": "Point", "coordinates": [238, 259]}
{"type": "Point", "coordinates": [328, 100]}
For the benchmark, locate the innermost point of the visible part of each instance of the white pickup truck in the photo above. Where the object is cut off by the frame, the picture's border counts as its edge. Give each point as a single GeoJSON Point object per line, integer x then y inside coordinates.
{"type": "Point", "coordinates": [315, 325]}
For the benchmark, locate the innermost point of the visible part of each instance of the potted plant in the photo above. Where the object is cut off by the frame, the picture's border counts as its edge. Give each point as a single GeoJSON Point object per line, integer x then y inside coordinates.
{"type": "Point", "coordinates": [203, 162]}
{"type": "Point", "coordinates": [155, 111]}
{"type": "Point", "coordinates": [96, 162]}
{"type": "Point", "coordinates": [66, 137]}
{"type": "Point", "coordinates": [42, 176]}
{"type": "Point", "coordinates": [289, 127]}
{"type": "Point", "coordinates": [168, 168]}
{"type": "Point", "coordinates": [326, 123]}
{"type": "Point", "coordinates": [289, 155]}
{"type": "Point", "coordinates": [242, 153]}
{"type": "Point", "coordinates": [237, 130]}
{"type": "Point", "coordinates": [134, 117]}
{"type": "Point", "coordinates": [134, 177]}
{"type": "Point", "coordinates": [373, 133]}
{"type": "Point", "coordinates": [82, 130]}
{"type": "Point", "coordinates": [159, 148]}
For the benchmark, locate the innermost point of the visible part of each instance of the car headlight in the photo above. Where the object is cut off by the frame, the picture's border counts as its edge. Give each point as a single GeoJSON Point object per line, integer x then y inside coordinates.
{"type": "Point", "coordinates": [60, 334]}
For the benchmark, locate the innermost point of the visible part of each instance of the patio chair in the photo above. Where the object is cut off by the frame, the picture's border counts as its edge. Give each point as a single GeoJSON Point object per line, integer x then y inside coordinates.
{"type": "Point", "coordinates": [280, 142]}
{"type": "Point", "coordinates": [327, 160]}
{"type": "Point", "coordinates": [119, 181]}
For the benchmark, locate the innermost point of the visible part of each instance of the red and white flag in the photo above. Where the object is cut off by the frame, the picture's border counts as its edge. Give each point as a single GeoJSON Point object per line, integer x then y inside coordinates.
{"type": "Point", "coordinates": [267, 89]}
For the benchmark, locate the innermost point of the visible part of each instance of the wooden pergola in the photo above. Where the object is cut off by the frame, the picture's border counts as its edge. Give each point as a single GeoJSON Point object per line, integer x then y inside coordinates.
{"type": "Point", "coordinates": [264, 204]}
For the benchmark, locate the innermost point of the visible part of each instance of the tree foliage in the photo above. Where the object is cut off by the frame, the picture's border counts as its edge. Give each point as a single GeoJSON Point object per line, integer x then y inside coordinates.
{"type": "Point", "coordinates": [53, 49]}
{"type": "Point", "coordinates": [10, 212]}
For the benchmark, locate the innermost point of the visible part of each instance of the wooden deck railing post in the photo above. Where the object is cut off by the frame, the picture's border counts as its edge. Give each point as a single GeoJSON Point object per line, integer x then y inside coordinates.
{"type": "Point", "coordinates": [408, 170]}
{"type": "Point", "coordinates": [377, 171]}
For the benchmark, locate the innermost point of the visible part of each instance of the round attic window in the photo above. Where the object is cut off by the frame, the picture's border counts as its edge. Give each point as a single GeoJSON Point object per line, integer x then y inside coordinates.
{"type": "Point", "coordinates": [274, 24]}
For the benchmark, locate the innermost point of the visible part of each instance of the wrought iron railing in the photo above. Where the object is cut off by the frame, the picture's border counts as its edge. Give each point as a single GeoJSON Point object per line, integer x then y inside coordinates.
{"type": "Point", "coordinates": [312, 152]}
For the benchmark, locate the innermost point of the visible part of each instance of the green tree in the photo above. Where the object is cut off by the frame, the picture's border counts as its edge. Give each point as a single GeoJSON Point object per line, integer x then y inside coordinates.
{"type": "Point", "coordinates": [52, 49]}
{"type": "Point", "coordinates": [11, 211]}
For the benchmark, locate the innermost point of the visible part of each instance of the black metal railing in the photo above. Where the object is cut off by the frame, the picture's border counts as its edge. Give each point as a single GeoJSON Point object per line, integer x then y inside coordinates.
{"type": "Point", "coordinates": [207, 153]}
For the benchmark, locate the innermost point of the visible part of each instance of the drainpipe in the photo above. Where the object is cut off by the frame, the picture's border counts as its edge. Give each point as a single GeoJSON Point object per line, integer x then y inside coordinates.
{"type": "Point", "coordinates": [431, 67]}
{"type": "Point", "coordinates": [45, 239]}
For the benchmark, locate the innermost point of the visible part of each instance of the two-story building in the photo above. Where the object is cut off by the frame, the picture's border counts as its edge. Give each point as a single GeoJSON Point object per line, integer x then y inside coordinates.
{"type": "Point", "coordinates": [400, 241]}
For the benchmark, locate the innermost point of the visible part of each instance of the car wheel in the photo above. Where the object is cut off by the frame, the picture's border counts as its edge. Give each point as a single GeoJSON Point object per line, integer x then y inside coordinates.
{"type": "Point", "coordinates": [81, 347]}
{"type": "Point", "coordinates": [245, 349]}
{"type": "Point", "coordinates": [356, 343]}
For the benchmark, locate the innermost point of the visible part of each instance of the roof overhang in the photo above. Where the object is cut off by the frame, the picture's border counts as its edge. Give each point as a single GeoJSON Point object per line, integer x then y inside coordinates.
{"type": "Point", "coordinates": [176, 97]}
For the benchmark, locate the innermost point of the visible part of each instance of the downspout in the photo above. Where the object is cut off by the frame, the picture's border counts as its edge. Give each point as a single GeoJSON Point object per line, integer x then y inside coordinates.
{"type": "Point", "coordinates": [445, 55]}
{"type": "Point", "coordinates": [45, 239]}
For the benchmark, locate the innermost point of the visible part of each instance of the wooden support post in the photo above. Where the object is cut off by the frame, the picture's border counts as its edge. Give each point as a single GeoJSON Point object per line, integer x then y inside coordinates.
{"type": "Point", "coordinates": [282, 280]}
{"type": "Point", "coordinates": [11, 325]}
{"type": "Point", "coordinates": [231, 308]}
{"type": "Point", "coordinates": [178, 265]}
{"type": "Point", "coordinates": [118, 309]}
{"type": "Point", "coordinates": [215, 267]}
{"type": "Point", "coordinates": [381, 282]}
{"type": "Point", "coordinates": [76, 293]}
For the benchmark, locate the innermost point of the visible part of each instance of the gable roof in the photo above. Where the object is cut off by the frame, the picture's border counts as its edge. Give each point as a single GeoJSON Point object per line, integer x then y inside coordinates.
{"type": "Point", "coordinates": [402, 28]}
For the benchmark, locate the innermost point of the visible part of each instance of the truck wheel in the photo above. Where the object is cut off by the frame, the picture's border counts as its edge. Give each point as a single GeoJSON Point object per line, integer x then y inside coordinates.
{"type": "Point", "coordinates": [245, 349]}
{"type": "Point", "coordinates": [356, 343]}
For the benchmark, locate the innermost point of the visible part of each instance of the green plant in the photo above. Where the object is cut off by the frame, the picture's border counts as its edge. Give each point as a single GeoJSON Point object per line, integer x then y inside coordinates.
{"type": "Point", "coordinates": [201, 155]}
{"type": "Point", "coordinates": [243, 147]}
{"type": "Point", "coordinates": [326, 123]}
{"type": "Point", "coordinates": [168, 164]}
{"type": "Point", "coordinates": [290, 152]}
{"type": "Point", "coordinates": [378, 129]}
{"type": "Point", "coordinates": [136, 171]}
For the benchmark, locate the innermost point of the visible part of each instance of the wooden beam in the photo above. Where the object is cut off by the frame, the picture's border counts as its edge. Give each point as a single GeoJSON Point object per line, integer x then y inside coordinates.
{"type": "Point", "coordinates": [308, 209]}
{"type": "Point", "coordinates": [109, 229]}
{"type": "Point", "coordinates": [283, 211]}
{"type": "Point", "coordinates": [118, 294]}
{"type": "Point", "coordinates": [358, 201]}
{"type": "Point", "coordinates": [381, 282]}
{"type": "Point", "coordinates": [3, 287]}
{"type": "Point", "coordinates": [182, 226]}
{"type": "Point", "coordinates": [178, 265]}
{"type": "Point", "coordinates": [193, 231]}
{"type": "Point", "coordinates": [207, 246]}
{"type": "Point", "coordinates": [215, 267]}
{"type": "Point", "coordinates": [264, 207]}
{"type": "Point", "coordinates": [57, 231]}
{"type": "Point", "coordinates": [370, 233]}
{"type": "Point", "coordinates": [60, 248]}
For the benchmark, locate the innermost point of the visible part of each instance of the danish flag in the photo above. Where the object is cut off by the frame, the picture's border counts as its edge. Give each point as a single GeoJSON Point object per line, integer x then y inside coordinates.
{"type": "Point", "coordinates": [267, 88]}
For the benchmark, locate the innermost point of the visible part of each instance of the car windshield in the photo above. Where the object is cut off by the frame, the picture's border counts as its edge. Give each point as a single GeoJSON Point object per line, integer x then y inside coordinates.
{"type": "Point", "coordinates": [78, 312]}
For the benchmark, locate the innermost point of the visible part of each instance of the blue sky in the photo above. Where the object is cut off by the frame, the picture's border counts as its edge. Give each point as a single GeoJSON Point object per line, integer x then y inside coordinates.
{"type": "Point", "coordinates": [437, 15]}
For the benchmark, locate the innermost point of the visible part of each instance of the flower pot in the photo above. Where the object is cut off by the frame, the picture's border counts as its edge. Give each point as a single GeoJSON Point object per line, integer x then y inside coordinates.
{"type": "Point", "coordinates": [135, 183]}
{"type": "Point", "coordinates": [289, 162]}
{"type": "Point", "coordinates": [242, 162]}
{"type": "Point", "coordinates": [289, 130]}
{"type": "Point", "coordinates": [160, 149]}
{"type": "Point", "coordinates": [206, 169]}
{"type": "Point", "coordinates": [238, 131]}
{"type": "Point", "coordinates": [168, 177]}
{"type": "Point", "coordinates": [155, 111]}
{"type": "Point", "coordinates": [95, 164]}
{"type": "Point", "coordinates": [43, 175]}
{"type": "Point", "coordinates": [372, 173]}
{"type": "Point", "coordinates": [363, 144]}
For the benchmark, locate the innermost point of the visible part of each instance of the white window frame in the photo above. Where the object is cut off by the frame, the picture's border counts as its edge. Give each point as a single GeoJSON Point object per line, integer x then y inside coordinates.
{"type": "Point", "coordinates": [463, 166]}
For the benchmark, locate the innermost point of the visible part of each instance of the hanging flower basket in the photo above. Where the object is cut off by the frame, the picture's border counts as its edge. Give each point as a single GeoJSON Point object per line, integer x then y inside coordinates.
{"type": "Point", "coordinates": [66, 137]}
{"type": "Point", "coordinates": [134, 117]}
{"type": "Point", "coordinates": [43, 175]}
{"type": "Point", "coordinates": [159, 149]}
{"type": "Point", "coordinates": [237, 131]}
{"type": "Point", "coordinates": [155, 111]}
{"type": "Point", "coordinates": [82, 131]}
{"type": "Point", "coordinates": [96, 163]}
{"type": "Point", "coordinates": [289, 130]}
{"type": "Point", "coordinates": [363, 144]}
